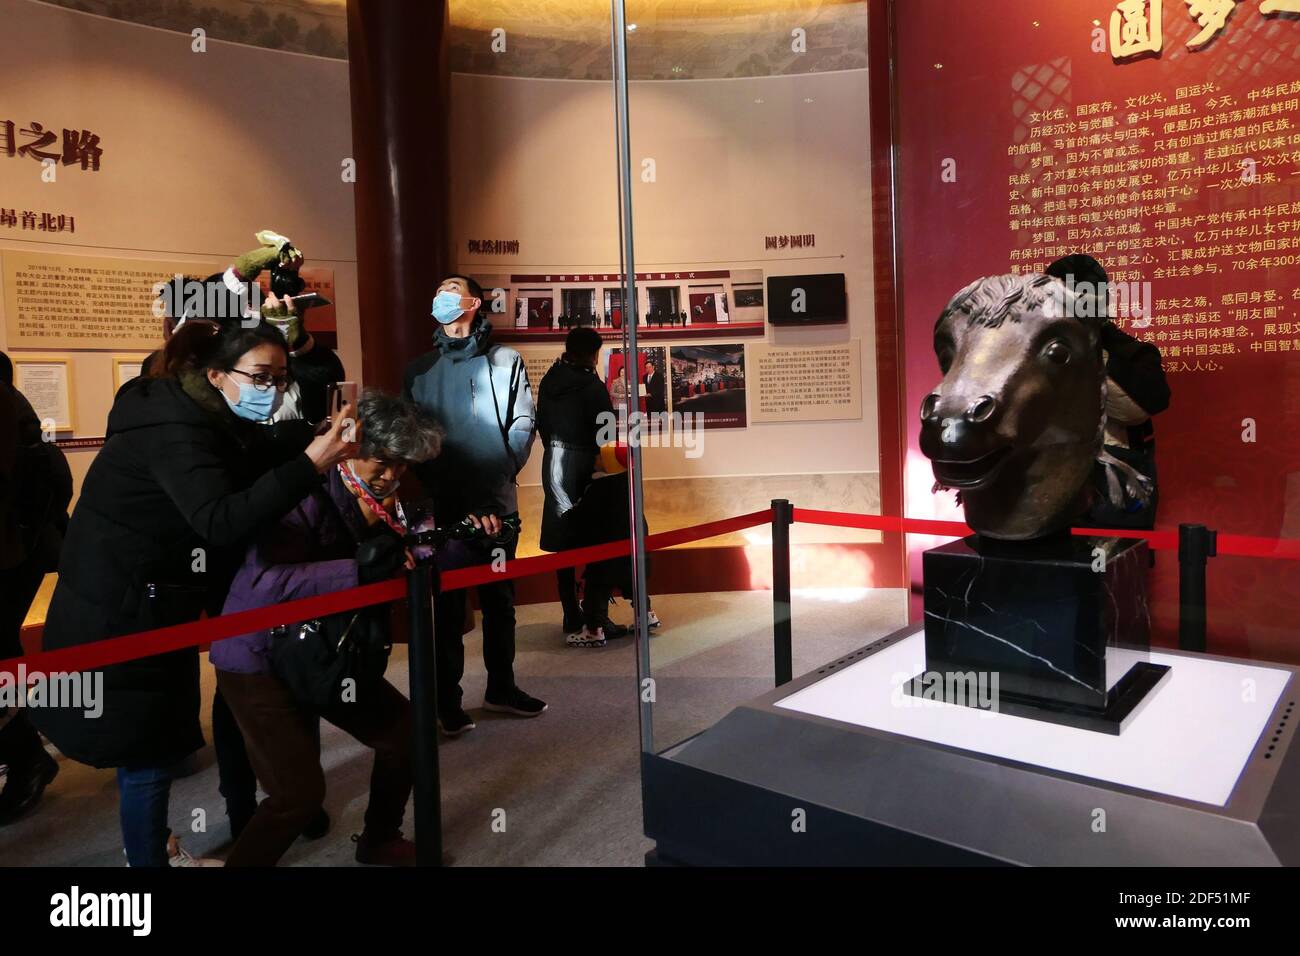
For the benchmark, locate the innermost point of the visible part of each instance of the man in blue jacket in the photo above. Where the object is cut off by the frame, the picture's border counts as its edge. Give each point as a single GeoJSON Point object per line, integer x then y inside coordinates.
{"type": "Point", "coordinates": [479, 392]}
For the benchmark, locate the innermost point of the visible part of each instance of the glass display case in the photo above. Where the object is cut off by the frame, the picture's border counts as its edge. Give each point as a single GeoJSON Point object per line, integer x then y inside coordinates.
{"type": "Point", "coordinates": [1103, 616]}
{"type": "Point", "coordinates": [890, 406]}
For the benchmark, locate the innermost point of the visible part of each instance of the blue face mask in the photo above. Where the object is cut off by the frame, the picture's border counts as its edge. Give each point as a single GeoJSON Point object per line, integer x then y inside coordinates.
{"type": "Point", "coordinates": [446, 307]}
{"type": "Point", "coordinates": [254, 405]}
{"type": "Point", "coordinates": [392, 489]}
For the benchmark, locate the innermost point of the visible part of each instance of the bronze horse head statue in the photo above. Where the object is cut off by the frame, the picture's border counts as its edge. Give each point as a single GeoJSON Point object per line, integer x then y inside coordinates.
{"type": "Point", "coordinates": [1016, 424]}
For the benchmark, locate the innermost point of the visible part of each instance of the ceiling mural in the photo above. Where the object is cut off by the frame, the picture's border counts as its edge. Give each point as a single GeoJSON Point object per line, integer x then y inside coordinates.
{"type": "Point", "coordinates": [554, 39]}
{"type": "Point", "coordinates": [319, 27]}
{"type": "Point", "coordinates": [674, 39]}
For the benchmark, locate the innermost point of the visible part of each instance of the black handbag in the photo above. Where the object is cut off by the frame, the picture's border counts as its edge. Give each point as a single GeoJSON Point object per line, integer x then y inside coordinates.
{"type": "Point", "coordinates": [331, 660]}
{"type": "Point", "coordinates": [336, 659]}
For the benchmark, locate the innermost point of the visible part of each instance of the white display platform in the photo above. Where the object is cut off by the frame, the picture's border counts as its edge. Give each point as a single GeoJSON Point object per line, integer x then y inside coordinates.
{"type": "Point", "coordinates": [1190, 740]}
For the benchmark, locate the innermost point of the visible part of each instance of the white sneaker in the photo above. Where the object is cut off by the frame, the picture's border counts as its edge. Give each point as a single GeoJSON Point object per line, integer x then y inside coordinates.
{"type": "Point", "coordinates": [587, 638]}
{"type": "Point", "coordinates": [177, 855]}
{"type": "Point", "coordinates": [652, 621]}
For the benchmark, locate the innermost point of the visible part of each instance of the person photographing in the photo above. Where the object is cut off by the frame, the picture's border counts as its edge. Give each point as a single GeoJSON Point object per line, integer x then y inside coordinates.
{"type": "Point", "coordinates": [233, 296]}
{"type": "Point", "coordinates": [183, 482]}
{"type": "Point", "coordinates": [1124, 492]}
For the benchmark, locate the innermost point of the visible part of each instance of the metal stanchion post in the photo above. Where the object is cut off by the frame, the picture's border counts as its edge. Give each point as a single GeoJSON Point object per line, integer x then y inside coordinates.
{"type": "Point", "coordinates": [632, 317]}
{"type": "Point", "coordinates": [1196, 545]}
{"type": "Point", "coordinates": [782, 649]}
{"type": "Point", "coordinates": [421, 583]}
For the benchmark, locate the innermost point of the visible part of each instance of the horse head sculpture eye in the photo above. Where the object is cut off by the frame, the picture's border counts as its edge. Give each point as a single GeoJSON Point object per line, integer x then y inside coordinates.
{"type": "Point", "coordinates": [1057, 352]}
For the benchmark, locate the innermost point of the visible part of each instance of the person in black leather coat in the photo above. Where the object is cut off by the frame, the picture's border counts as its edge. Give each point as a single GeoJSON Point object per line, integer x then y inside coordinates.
{"type": "Point", "coordinates": [575, 417]}
{"type": "Point", "coordinates": [571, 401]}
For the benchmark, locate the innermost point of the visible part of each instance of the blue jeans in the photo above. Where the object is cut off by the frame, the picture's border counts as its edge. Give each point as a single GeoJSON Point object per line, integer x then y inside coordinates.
{"type": "Point", "coordinates": [143, 793]}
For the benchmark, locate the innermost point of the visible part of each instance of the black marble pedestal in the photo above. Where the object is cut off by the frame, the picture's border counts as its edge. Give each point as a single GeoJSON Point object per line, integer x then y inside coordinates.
{"type": "Point", "coordinates": [1056, 629]}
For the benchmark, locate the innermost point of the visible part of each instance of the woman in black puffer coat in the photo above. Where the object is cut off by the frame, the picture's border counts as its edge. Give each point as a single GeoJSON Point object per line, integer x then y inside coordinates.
{"type": "Point", "coordinates": [179, 488]}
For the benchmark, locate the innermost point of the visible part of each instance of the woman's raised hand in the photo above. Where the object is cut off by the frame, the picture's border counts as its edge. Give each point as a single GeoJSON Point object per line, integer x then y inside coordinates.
{"type": "Point", "coordinates": [339, 443]}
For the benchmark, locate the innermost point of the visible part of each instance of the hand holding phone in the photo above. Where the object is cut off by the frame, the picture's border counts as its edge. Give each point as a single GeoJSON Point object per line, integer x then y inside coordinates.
{"type": "Point", "coordinates": [337, 396]}
{"type": "Point", "coordinates": [347, 394]}
{"type": "Point", "coordinates": [308, 300]}
{"type": "Point", "coordinates": [338, 441]}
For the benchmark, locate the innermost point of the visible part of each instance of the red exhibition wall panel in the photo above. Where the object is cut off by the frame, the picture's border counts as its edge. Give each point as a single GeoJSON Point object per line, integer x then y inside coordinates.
{"type": "Point", "coordinates": [1164, 140]}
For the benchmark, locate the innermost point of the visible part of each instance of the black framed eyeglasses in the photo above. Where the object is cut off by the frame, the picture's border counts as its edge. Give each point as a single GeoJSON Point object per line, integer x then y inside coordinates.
{"type": "Point", "coordinates": [265, 380]}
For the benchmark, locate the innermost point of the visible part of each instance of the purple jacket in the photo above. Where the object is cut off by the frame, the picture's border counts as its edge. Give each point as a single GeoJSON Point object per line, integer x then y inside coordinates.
{"type": "Point", "coordinates": [311, 551]}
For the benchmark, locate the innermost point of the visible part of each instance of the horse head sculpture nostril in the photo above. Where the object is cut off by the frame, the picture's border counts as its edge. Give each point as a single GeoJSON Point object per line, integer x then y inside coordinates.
{"type": "Point", "coordinates": [929, 405]}
{"type": "Point", "coordinates": [982, 409]}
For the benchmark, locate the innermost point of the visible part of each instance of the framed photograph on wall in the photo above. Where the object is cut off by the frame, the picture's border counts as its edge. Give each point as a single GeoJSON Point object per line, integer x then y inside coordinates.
{"type": "Point", "coordinates": [651, 376]}
{"type": "Point", "coordinates": [125, 368]}
{"type": "Point", "coordinates": [46, 382]}
{"type": "Point", "coordinates": [709, 380]}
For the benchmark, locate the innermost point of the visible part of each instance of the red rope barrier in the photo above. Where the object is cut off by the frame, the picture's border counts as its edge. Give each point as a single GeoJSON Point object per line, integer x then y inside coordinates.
{"type": "Point", "coordinates": [117, 650]}
{"type": "Point", "coordinates": [524, 567]}
{"type": "Point", "coordinates": [1248, 546]}
{"type": "Point", "coordinates": [1159, 540]}
{"type": "Point", "coordinates": [845, 519]}
{"type": "Point", "coordinates": [1238, 545]}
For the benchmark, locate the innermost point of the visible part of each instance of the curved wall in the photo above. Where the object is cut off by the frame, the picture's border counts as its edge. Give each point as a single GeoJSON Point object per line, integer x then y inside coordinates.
{"type": "Point", "coordinates": [734, 161]}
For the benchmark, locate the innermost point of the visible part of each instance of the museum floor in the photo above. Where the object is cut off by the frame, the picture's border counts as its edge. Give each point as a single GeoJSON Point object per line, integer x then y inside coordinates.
{"type": "Point", "coordinates": [568, 781]}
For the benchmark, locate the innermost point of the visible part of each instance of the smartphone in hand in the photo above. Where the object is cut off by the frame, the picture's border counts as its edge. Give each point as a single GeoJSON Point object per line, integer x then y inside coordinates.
{"type": "Point", "coordinates": [337, 394]}
{"type": "Point", "coordinates": [308, 300]}
{"type": "Point", "coordinates": [347, 392]}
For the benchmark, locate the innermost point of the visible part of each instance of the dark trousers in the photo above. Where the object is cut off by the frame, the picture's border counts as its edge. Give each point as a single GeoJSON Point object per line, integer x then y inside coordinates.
{"type": "Point", "coordinates": [236, 780]}
{"type": "Point", "coordinates": [282, 738]}
{"type": "Point", "coordinates": [597, 586]}
{"type": "Point", "coordinates": [566, 583]}
{"type": "Point", "coordinates": [20, 745]}
{"type": "Point", "coordinates": [497, 602]}
{"type": "Point", "coordinates": [599, 582]}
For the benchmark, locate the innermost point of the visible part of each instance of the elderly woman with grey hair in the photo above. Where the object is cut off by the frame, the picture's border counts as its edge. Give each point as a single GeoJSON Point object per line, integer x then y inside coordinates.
{"type": "Point", "coordinates": [347, 532]}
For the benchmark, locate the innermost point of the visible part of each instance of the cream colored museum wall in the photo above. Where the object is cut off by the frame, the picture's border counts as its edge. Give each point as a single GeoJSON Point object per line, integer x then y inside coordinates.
{"type": "Point", "coordinates": [734, 160]}
{"type": "Point", "coordinates": [200, 150]}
